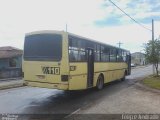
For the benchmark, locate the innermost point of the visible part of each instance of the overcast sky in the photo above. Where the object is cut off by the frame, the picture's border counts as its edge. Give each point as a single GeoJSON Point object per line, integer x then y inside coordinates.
{"type": "Point", "coordinates": [95, 19]}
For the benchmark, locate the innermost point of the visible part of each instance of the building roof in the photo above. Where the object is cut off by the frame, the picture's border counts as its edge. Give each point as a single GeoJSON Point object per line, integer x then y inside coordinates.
{"type": "Point", "coordinates": [137, 53]}
{"type": "Point", "coordinates": [9, 52]}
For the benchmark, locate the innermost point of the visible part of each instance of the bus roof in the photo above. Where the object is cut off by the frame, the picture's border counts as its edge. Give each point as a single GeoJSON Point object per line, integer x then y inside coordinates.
{"type": "Point", "coordinates": [92, 40]}
{"type": "Point", "coordinates": [44, 31]}
{"type": "Point", "coordinates": [71, 34]}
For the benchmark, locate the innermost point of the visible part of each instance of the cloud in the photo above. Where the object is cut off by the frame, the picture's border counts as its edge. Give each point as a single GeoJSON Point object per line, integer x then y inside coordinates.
{"type": "Point", "coordinates": [95, 19]}
{"type": "Point", "coordinates": [141, 10]}
{"type": "Point", "coordinates": [21, 16]}
{"type": "Point", "coordinates": [132, 36]}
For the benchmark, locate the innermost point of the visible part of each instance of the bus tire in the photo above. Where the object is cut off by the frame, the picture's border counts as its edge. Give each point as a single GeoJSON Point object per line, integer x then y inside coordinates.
{"type": "Point", "coordinates": [124, 77]}
{"type": "Point", "coordinates": [100, 82]}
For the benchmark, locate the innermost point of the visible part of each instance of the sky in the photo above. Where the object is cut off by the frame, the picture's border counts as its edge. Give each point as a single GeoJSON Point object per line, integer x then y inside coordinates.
{"type": "Point", "coordinates": [96, 19]}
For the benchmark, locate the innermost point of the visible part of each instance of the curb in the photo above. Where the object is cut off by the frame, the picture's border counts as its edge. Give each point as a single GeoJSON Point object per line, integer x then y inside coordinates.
{"type": "Point", "coordinates": [9, 79]}
{"type": "Point", "coordinates": [11, 85]}
{"type": "Point", "coordinates": [139, 84]}
{"type": "Point", "coordinates": [143, 66]}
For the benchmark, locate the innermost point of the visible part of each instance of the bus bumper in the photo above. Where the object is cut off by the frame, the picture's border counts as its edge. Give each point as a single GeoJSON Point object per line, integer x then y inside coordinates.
{"type": "Point", "coordinates": [60, 86]}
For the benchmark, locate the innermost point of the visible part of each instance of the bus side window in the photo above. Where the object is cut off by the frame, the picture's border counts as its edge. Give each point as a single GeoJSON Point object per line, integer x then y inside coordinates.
{"type": "Point", "coordinates": [104, 53]}
{"type": "Point", "coordinates": [113, 55]}
{"type": "Point", "coordinates": [83, 56]}
{"type": "Point", "coordinates": [124, 56]}
{"type": "Point", "coordinates": [119, 55]}
{"type": "Point", "coordinates": [71, 55]}
{"type": "Point", "coordinates": [97, 52]}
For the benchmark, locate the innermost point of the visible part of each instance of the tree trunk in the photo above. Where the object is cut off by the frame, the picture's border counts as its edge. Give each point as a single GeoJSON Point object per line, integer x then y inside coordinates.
{"type": "Point", "coordinates": [156, 66]}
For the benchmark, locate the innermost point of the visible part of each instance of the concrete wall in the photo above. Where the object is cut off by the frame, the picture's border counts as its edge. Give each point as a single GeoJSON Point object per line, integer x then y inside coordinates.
{"type": "Point", "coordinates": [6, 71]}
{"type": "Point", "coordinates": [10, 73]}
{"type": "Point", "coordinates": [4, 63]}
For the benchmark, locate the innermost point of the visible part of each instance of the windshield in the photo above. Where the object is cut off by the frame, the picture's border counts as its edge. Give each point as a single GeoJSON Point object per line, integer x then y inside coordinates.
{"type": "Point", "coordinates": [43, 47]}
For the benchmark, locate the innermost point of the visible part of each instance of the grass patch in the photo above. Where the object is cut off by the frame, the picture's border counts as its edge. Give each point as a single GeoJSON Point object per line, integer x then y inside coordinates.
{"type": "Point", "coordinates": [152, 81]}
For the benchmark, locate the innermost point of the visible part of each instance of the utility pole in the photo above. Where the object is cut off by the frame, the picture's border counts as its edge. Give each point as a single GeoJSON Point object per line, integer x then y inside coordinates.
{"type": "Point", "coordinates": [153, 42]}
{"type": "Point", "coordinates": [119, 44]}
{"type": "Point", "coordinates": [66, 27]}
{"type": "Point", "coordinates": [152, 30]}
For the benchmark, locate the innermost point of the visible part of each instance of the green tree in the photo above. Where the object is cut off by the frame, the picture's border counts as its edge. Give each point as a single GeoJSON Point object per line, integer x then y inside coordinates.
{"type": "Point", "coordinates": [152, 50]}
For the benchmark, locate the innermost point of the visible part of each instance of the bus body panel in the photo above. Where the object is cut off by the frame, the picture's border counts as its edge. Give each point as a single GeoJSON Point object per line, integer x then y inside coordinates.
{"type": "Point", "coordinates": [48, 73]}
{"type": "Point", "coordinates": [111, 71]}
{"type": "Point", "coordinates": [60, 86]}
{"type": "Point", "coordinates": [42, 72]}
{"type": "Point", "coordinates": [78, 76]}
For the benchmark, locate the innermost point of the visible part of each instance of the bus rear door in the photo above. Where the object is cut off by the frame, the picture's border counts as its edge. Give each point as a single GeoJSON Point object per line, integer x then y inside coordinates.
{"type": "Point", "coordinates": [90, 67]}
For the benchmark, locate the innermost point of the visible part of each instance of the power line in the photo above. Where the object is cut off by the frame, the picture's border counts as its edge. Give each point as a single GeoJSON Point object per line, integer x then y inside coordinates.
{"type": "Point", "coordinates": [129, 16]}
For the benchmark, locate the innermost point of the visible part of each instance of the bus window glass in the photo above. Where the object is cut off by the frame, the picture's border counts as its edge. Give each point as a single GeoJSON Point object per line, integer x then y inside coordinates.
{"type": "Point", "coordinates": [113, 55]}
{"type": "Point", "coordinates": [119, 55]}
{"type": "Point", "coordinates": [104, 54]}
{"type": "Point", "coordinates": [97, 53]}
{"type": "Point", "coordinates": [43, 47]}
{"type": "Point", "coordinates": [124, 54]}
{"type": "Point", "coordinates": [77, 50]}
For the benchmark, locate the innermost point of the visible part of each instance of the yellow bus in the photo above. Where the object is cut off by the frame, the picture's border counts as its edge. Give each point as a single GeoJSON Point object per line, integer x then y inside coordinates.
{"type": "Point", "coordinates": [65, 61]}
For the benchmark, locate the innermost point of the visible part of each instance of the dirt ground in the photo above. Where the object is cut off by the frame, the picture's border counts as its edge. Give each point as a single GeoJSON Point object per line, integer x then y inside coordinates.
{"type": "Point", "coordinates": [136, 102]}
{"type": "Point", "coordinates": [132, 100]}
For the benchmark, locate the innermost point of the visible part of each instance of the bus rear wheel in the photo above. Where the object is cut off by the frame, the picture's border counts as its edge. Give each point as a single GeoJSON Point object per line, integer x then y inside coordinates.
{"type": "Point", "coordinates": [100, 82]}
{"type": "Point", "coordinates": [124, 77]}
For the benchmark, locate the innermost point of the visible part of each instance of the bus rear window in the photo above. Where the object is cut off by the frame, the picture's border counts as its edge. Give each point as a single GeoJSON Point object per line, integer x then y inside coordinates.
{"type": "Point", "coordinates": [43, 47]}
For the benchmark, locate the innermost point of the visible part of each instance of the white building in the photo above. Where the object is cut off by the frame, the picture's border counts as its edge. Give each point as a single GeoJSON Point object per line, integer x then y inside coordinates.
{"type": "Point", "coordinates": [138, 58]}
